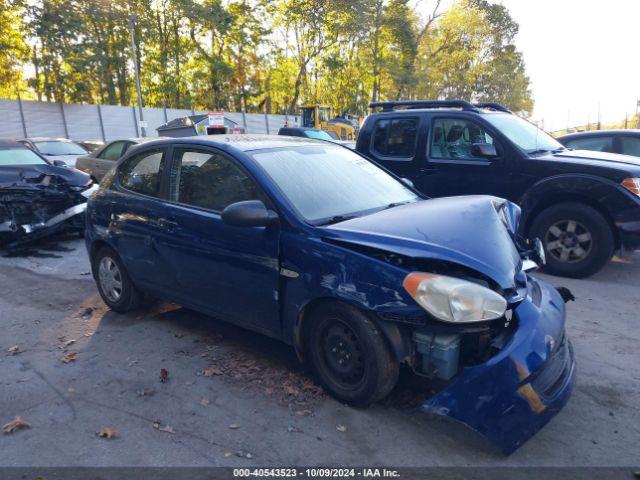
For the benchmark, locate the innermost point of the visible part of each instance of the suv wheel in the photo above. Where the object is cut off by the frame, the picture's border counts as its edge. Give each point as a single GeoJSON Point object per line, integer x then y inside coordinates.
{"type": "Point", "coordinates": [577, 239]}
{"type": "Point", "coordinates": [349, 356]}
{"type": "Point", "coordinates": [114, 284]}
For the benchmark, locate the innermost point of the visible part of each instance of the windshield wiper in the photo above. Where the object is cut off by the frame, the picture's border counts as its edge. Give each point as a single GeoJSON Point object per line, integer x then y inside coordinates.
{"type": "Point", "coordinates": [539, 150]}
{"type": "Point", "coordinates": [336, 219]}
{"type": "Point", "coordinates": [397, 204]}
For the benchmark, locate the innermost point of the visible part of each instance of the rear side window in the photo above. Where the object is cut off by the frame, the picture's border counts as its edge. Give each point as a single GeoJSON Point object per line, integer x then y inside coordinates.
{"type": "Point", "coordinates": [594, 144]}
{"type": "Point", "coordinates": [143, 173]}
{"type": "Point", "coordinates": [395, 137]}
{"type": "Point", "coordinates": [210, 180]}
{"type": "Point", "coordinates": [112, 152]}
{"type": "Point", "coordinates": [630, 146]}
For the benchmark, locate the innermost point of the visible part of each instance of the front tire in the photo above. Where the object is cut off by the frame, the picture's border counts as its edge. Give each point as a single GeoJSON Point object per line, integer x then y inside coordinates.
{"type": "Point", "coordinates": [349, 355]}
{"type": "Point", "coordinates": [114, 284]}
{"type": "Point", "coordinates": [577, 239]}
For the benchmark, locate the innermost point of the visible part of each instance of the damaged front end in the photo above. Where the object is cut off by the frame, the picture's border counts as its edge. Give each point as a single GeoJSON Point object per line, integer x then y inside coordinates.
{"type": "Point", "coordinates": [503, 368]}
{"type": "Point", "coordinates": [41, 203]}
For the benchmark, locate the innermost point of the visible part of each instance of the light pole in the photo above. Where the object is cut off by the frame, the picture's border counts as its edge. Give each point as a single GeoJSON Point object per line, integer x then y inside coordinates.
{"type": "Point", "coordinates": [134, 51]}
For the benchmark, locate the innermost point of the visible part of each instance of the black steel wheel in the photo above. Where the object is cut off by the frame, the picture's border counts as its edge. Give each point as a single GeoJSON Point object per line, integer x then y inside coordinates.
{"type": "Point", "coordinates": [349, 355]}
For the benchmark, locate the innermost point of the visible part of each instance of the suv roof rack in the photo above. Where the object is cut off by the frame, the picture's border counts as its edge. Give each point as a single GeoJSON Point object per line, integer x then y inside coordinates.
{"type": "Point", "coordinates": [462, 104]}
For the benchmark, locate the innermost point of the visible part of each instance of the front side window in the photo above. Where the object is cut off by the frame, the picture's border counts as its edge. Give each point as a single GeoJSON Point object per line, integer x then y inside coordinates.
{"type": "Point", "coordinates": [395, 137]}
{"type": "Point", "coordinates": [324, 182]}
{"type": "Point", "coordinates": [594, 144]}
{"type": "Point", "coordinates": [452, 138]}
{"type": "Point", "coordinates": [210, 180]}
{"type": "Point", "coordinates": [143, 173]}
{"type": "Point", "coordinates": [631, 146]}
{"type": "Point", "coordinates": [19, 156]}
{"type": "Point", "coordinates": [112, 152]}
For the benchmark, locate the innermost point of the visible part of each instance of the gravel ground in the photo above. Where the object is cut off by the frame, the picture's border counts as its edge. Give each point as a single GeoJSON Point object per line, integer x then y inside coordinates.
{"type": "Point", "coordinates": [235, 398]}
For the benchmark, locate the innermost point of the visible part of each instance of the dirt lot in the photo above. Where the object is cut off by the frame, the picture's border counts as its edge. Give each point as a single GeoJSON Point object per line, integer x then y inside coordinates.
{"type": "Point", "coordinates": [234, 398]}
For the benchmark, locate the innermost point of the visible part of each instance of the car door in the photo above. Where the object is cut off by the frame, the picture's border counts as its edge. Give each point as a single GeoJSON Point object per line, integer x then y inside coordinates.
{"type": "Point", "coordinates": [629, 145]}
{"type": "Point", "coordinates": [394, 143]}
{"type": "Point", "coordinates": [106, 159]}
{"type": "Point", "coordinates": [228, 271]}
{"type": "Point", "coordinates": [136, 217]}
{"type": "Point", "coordinates": [451, 167]}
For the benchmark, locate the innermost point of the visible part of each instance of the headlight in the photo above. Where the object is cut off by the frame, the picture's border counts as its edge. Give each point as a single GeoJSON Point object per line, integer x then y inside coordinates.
{"type": "Point", "coordinates": [632, 184]}
{"type": "Point", "coordinates": [454, 300]}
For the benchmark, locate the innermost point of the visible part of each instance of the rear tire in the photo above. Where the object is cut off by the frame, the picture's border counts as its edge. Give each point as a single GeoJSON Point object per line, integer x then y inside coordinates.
{"type": "Point", "coordinates": [349, 355]}
{"type": "Point", "coordinates": [577, 239]}
{"type": "Point", "coordinates": [114, 284]}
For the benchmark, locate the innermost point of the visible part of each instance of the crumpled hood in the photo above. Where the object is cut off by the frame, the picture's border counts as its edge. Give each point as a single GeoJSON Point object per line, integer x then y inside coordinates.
{"type": "Point", "coordinates": [465, 230]}
{"type": "Point", "coordinates": [10, 174]}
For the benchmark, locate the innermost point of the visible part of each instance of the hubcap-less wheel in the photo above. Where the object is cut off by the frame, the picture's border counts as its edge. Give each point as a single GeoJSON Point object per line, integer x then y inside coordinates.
{"type": "Point", "coordinates": [110, 279]}
{"type": "Point", "coordinates": [568, 241]}
{"type": "Point", "coordinates": [343, 354]}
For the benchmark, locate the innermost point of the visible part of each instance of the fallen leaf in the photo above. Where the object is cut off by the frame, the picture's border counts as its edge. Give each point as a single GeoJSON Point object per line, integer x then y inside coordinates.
{"type": "Point", "coordinates": [146, 392]}
{"type": "Point", "coordinates": [234, 426]}
{"type": "Point", "coordinates": [107, 433]}
{"type": "Point", "coordinates": [211, 371]}
{"type": "Point", "coordinates": [88, 334]}
{"type": "Point", "coordinates": [15, 425]}
{"type": "Point", "coordinates": [69, 357]}
{"type": "Point", "coordinates": [69, 342]}
{"type": "Point", "coordinates": [341, 428]}
{"type": "Point", "coordinates": [178, 335]}
{"type": "Point", "coordinates": [164, 375]}
{"type": "Point", "coordinates": [205, 402]}
{"type": "Point", "coordinates": [304, 413]}
{"type": "Point", "coordinates": [227, 454]}
{"type": "Point", "coordinates": [15, 350]}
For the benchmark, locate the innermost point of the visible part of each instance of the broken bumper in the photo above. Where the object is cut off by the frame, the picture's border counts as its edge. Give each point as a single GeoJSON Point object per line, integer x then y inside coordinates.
{"type": "Point", "coordinates": [513, 395]}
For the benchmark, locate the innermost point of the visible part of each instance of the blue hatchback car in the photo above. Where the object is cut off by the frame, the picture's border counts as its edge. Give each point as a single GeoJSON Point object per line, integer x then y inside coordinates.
{"type": "Point", "coordinates": [313, 244]}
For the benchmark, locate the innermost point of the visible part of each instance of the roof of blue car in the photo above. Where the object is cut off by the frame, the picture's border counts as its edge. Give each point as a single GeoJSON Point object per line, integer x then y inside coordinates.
{"type": "Point", "coordinates": [245, 142]}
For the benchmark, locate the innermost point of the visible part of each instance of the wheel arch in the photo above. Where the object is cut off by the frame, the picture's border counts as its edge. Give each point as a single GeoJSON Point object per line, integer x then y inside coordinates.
{"type": "Point", "coordinates": [543, 196]}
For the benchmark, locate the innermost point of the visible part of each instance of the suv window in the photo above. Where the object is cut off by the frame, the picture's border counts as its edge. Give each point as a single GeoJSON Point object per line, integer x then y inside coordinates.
{"type": "Point", "coordinates": [630, 146]}
{"type": "Point", "coordinates": [143, 173]}
{"type": "Point", "coordinates": [452, 138]}
{"type": "Point", "coordinates": [595, 144]}
{"type": "Point", "coordinates": [112, 151]}
{"type": "Point", "coordinates": [395, 137]}
{"type": "Point", "coordinates": [210, 180]}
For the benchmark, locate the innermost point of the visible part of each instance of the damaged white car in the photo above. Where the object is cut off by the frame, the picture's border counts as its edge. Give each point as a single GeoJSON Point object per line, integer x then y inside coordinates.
{"type": "Point", "coordinates": [38, 198]}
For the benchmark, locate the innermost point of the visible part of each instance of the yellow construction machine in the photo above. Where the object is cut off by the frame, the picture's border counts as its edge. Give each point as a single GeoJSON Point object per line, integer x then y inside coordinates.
{"type": "Point", "coordinates": [319, 116]}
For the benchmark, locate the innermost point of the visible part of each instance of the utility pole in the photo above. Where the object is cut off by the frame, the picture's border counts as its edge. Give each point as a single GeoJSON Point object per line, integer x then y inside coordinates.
{"type": "Point", "coordinates": [637, 116]}
{"type": "Point", "coordinates": [134, 50]}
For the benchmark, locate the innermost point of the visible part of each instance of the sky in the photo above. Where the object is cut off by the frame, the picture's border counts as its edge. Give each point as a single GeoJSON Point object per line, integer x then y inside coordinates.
{"type": "Point", "coordinates": [580, 54]}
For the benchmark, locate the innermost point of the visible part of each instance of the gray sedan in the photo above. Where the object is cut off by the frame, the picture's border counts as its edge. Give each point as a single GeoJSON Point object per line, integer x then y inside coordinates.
{"type": "Point", "coordinates": [101, 160]}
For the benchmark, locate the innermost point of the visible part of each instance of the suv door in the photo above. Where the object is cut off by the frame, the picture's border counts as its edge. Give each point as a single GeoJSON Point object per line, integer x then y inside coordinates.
{"type": "Point", "coordinates": [228, 271]}
{"type": "Point", "coordinates": [394, 142]}
{"type": "Point", "coordinates": [452, 167]}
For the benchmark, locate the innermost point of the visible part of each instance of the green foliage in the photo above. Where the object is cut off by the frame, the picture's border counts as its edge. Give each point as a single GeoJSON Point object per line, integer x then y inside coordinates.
{"type": "Point", "coordinates": [256, 55]}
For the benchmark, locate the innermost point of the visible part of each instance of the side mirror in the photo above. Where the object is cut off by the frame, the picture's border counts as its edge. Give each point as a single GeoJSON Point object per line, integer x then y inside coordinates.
{"type": "Point", "coordinates": [407, 182]}
{"type": "Point", "coordinates": [485, 150]}
{"type": "Point", "coordinates": [59, 163]}
{"type": "Point", "coordinates": [251, 213]}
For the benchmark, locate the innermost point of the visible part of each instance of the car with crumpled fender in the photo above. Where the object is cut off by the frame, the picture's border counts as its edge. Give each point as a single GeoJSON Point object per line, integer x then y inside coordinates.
{"type": "Point", "coordinates": [314, 245]}
{"type": "Point", "coordinates": [37, 197]}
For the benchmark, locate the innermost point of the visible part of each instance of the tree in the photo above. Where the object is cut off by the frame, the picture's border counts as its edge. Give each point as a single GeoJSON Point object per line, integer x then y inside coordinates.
{"type": "Point", "coordinates": [13, 49]}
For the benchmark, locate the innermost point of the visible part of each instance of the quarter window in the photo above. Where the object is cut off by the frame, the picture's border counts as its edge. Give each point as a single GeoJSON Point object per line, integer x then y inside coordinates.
{"type": "Point", "coordinates": [631, 146]}
{"type": "Point", "coordinates": [452, 138]}
{"type": "Point", "coordinates": [395, 137]}
{"type": "Point", "coordinates": [143, 173]}
{"type": "Point", "coordinates": [210, 180]}
{"type": "Point", "coordinates": [112, 151]}
{"type": "Point", "coordinates": [594, 144]}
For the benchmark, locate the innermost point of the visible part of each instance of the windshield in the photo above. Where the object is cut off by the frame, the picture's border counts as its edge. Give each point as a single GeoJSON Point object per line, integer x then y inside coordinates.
{"type": "Point", "coordinates": [19, 156]}
{"type": "Point", "coordinates": [326, 182]}
{"type": "Point", "coordinates": [319, 134]}
{"type": "Point", "coordinates": [59, 148]}
{"type": "Point", "coordinates": [524, 134]}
